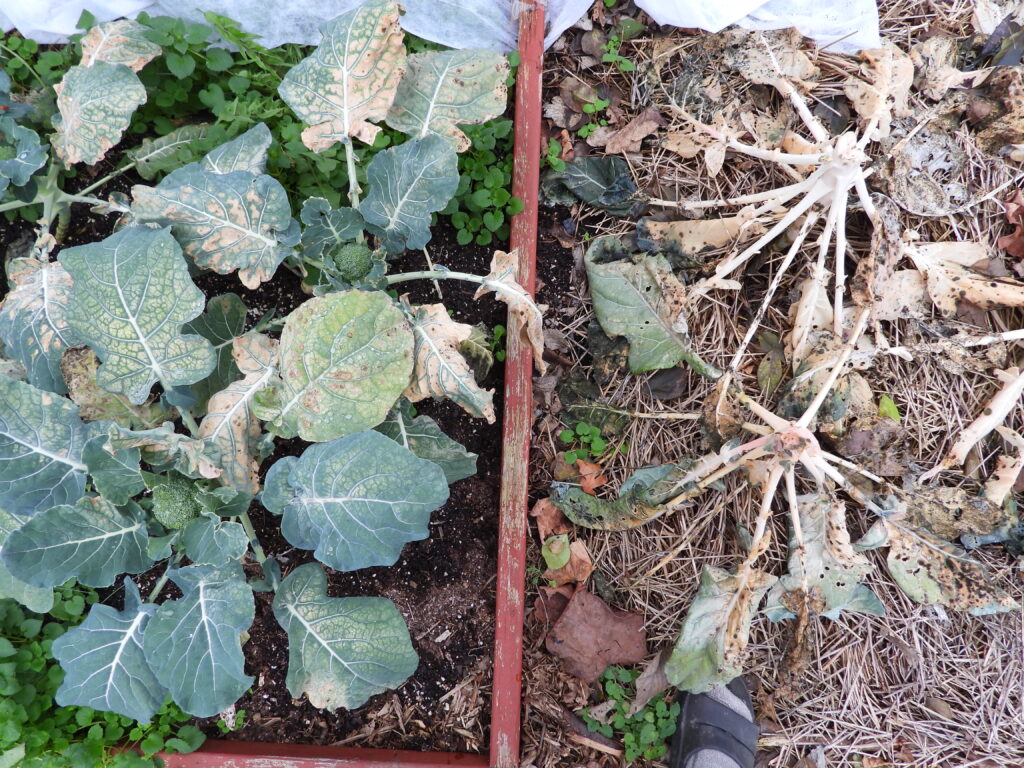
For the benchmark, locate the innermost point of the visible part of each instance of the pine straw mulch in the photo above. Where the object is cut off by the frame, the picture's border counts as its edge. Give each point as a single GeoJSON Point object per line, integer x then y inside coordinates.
{"type": "Point", "coordinates": [918, 687]}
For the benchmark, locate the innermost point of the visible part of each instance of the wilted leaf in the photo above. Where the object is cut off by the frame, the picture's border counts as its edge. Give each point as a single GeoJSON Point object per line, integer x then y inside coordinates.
{"type": "Point", "coordinates": [651, 682]}
{"type": "Point", "coordinates": [501, 280]}
{"type": "Point", "coordinates": [41, 440]}
{"type": "Point", "coordinates": [220, 323]}
{"type": "Point", "coordinates": [439, 370]}
{"type": "Point", "coordinates": [602, 181]}
{"type": "Point", "coordinates": [934, 59]}
{"type": "Point", "coordinates": [193, 644]}
{"type": "Point", "coordinates": [341, 651]}
{"type": "Point", "coordinates": [247, 152]}
{"type": "Point", "coordinates": [589, 636]}
{"type": "Point", "coordinates": [96, 105]}
{"type": "Point", "coordinates": [163, 447]}
{"type": "Point", "coordinates": [93, 542]}
{"type": "Point", "coordinates": [33, 321]}
{"type": "Point", "coordinates": [37, 599]}
{"type": "Point", "coordinates": [407, 184]}
{"type": "Point", "coordinates": [165, 153]}
{"type": "Point", "coordinates": [230, 421]}
{"type": "Point", "coordinates": [883, 90]}
{"type": "Point", "coordinates": [119, 42]}
{"type": "Point", "coordinates": [131, 295]}
{"type": "Point", "coordinates": [103, 662]}
{"type": "Point", "coordinates": [640, 298]}
{"type": "Point", "coordinates": [224, 221]}
{"type": "Point", "coordinates": [443, 89]}
{"type": "Point", "coordinates": [693, 236]}
{"type": "Point", "coordinates": [326, 228]}
{"type": "Point", "coordinates": [350, 80]}
{"type": "Point", "coordinates": [423, 437]}
{"type": "Point", "coordinates": [345, 359]}
{"type": "Point", "coordinates": [356, 500]}
{"type": "Point", "coordinates": [550, 520]}
{"type": "Point", "coordinates": [79, 366]}
{"type": "Point", "coordinates": [711, 647]}
{"type": "Point", "coordinates": [772, 367]}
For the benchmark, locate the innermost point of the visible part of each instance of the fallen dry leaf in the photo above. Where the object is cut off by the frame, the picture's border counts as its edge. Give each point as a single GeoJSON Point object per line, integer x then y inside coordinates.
{"type": "Point", "coordinates": [882, 91]}
{"type": "Point", "coordinates": [878, 444]}
{"type": "Point", "coordinates": [577, 570]}
{"type": "Point", "coordinates": [591, 476]}
{"type": "Point", "coordinates": [950, 277]}
{"type": "Point", "coordinates": [933, 60]}
{"type": "Point", "coordinates": [1006, 85]}
{"type": "Point", "coordinates": [551, 602]}
{"type": "Point", "coordinates": [590, 635]}
{"type": "Point", "coordinates": [769, 58]}
{"type": "Point", "coordinates": [630, 136]}
{"type": "Point", "coordinates": [550, 520]}
{"type": "Point", "coordinates": [651, 682]}
{"type": "Point", "coordinates": [1013, 243]}
{"type": "Point", "coordinates": [693, 236]}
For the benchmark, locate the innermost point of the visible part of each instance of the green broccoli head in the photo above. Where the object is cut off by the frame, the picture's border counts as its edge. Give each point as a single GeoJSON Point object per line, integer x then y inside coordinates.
{"type": "Point", "coordinates": [353, 261]}
{"type": "Point", "coordinates": [175, 502]}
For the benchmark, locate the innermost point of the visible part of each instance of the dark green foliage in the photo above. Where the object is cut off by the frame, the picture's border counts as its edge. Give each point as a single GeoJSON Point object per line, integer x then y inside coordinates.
{"type": "Point", "coordinates": [68, 737]}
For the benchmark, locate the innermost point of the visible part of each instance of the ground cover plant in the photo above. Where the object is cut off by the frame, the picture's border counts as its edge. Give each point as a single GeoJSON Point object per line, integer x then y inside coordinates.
{"type": "Point", "coordinates": [135, 413]}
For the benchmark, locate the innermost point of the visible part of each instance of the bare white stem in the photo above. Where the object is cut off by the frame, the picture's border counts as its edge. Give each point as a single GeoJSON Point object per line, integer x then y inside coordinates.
{"type": "Point", "coordinates": [858, 329]}
{"type": "Point", "coordinates": [837, 305]}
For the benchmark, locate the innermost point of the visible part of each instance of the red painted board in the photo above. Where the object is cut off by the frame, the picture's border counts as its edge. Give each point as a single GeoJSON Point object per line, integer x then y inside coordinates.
{"type": "Point", "coordinates": [244, 754]}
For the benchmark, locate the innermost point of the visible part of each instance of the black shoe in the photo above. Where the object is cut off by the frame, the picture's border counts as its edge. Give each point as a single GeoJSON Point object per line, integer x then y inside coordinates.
{"type": "Point", "coordinates": [708, 724]}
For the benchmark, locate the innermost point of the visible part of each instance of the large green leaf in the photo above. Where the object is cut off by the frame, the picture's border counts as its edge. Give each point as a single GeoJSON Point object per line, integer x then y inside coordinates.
{"type": "Point", "coordinates": [21, 153]}
{"type": "Point", "coordinates": [442, 89]}
{"type": "Point", "coordinates": [422, 436]}
{"type": "Point", "coordinates": [356, 500]}
{"type": "Point", "coordinates": [439, 369]}
{"type": "Point", "coordinates": [223, 320]}
{"type": "Point", "coordinates": [130, 297]}
{"type": "Point", "coordinates": [230, 423]}
{"type": "Point", "coordinates": [247, 152]}
{"type": "Point", "coordinates": [115, 476]}
{"type": "Point", "coordinates": [350, 80]}
{"type": "Point", "coordinates": [193, 644]}
{"type": "Point", "coordinates": [208, 540]}
{"type": "Point", "coordinates": [407, 184]}
{"type": "Point", "coordinates": [224, 221]}
{"type": "Point", "coordinates": [344, 360]}
{"type": "Point", "coordinates": [96, 105]}
{"type": "Point", "coordinates": [327, 229]}
{"type": "Point", "coordinates": [41, 439]}
{"type": "Point", "coordinates": [165, 153]}
{"type": "Point", "coordinates": [38, 599]}
{"type": "Point", "coordinates": [92, 542]}
{"type": "Point", "coordinates": [711, 646]}
{"type": "Point", "coordinates": [832, 568]}
{"type": "Point", "coordinates": [33, 321]}
{"type": "Point", "coordinates": [79, 366]}
{"type": "Point", "coordinates": [644, 301]}
{"type": "Point", "coordinates": [104, 664]}
{"type": "Point", "coordinates": [341, 651]}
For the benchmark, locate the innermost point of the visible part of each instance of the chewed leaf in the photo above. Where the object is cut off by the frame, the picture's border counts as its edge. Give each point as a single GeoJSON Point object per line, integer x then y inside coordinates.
{"type": "Point", "coordinates": [119, 42]}
{"type": "Point", "coordinates": [350, 80]}
{"type": "Point", "coordinates": [79, 366]}
{"type": "Point", "coordinates": [440, 370]}
{"type": "Point", "coordinates": [502, 281]}
{"type": "Point", "coordinates": [224, 221]}
{"type": "Point", "coordinates": [131, 295]}
{"type": "Point", "coordinates": [422, 436]}
{"type": "Point", "coordinates": [642, 300]}
{"type": "Point", "coordinates": [356, 500]}
{"type": "Point", "coordinates": [949, 277]}
{"type": "Point", "coordinates": [41, 441]}
{"type": "Point", "coordinates": [33, 321]}
{"type": "Point", "coordinates": [193, 644]}
{"type": "Point", "coordinates": [345, 358]}
{"type": "Point", "coordinates": [96, 105]}
{"type": "Point", "coordinates": [103, 662]}
{"type": "Point", "coordinates": [165, 153]}
{"type": "Point", "coordinates": [712, 641]}
{"type": "Point", "coordinates": [408, 183]}
{"type": "Point", "coordinates": [230, 422]}
{"type": "Point", "coordinates": [223, 320]}
{"type": "Point", "coordinates": [93, 542]}
{"type": "Point", "coordinates": [341, 651]}
{"type": "Point", "coordinates": [247, 152]}
{"type": "Point", "coordinates": [832, 568]}
{"type": "Point", "coordinates": [442, 89]}
{"type": "Point", "coordinates": [326, 228]}
{"type": "Point", "coordinates": [934, 571]}
{"type": "Point", "coordinates": [38, 599]}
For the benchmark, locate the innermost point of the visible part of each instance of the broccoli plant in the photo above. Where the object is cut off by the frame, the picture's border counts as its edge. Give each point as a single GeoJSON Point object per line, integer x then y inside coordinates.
{"type": "Point", "coordinates": [135, 440]}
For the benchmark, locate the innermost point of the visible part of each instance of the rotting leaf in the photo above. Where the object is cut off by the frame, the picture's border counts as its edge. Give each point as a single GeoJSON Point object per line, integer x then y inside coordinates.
{"type": "Point", "coordinates": [589, 635]}
{"type": "Point", "coordinates": [691, 236]}
{"type": "Point", "coordinates": [605, 182]}
{"type": "Point", "coordinates": [769, 57]}
{"type": "Point", "coordinates": [883, 90]}
{"type": "Point", "coordinates": [501, 280]}
{"type": "Point", "coordinates": [79, 366]}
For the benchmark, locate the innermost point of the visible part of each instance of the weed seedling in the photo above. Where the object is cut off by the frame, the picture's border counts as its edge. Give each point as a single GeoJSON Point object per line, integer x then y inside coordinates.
{"type": "Point", "coordinates": [612, 55]}
{"type": "Point", "coordinates": [644, 734]}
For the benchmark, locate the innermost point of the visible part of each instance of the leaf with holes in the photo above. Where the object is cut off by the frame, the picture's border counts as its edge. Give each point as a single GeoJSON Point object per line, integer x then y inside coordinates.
{"type": "Point", "coordinates": [119, 42]}
{"type": "Point", "coordinates": [79, 366]}
{"type": "Point", "coordinates": [33, 321]}
{"type": "Point", "coordinates": [356, 500]}
{"type": "Point", "coordinates": [104, 665]}
{"type": "Point", "coordinates": [341, 651]}
{"type": "Point", "coordinates": [443, 89]}
{"type": "Point", "coordinates": [193, 644]}
{"type": "Point", "coordinates": [224, 221]}
{"type": "Point", "coordinates": [41, 440]}
{"type": "Point", "coordinates": [407, 184]}
{"type": "Point", "coordinates": [131, 295]}
{"type": "Point", "coordinates": [93, 542]}
{"type": "Point", "coordinates": [167, 152]}
{"type": "Point", "coordinates": [247, 152]}
{"type": "Point", "coordinates": [37, 599]}
{"type": "Point", "coordinates": [344, 360]}
{"type": "Point", "coordinates": [95, 106]}
{"type": "Point", "coordinates": [440, 369]}
{"type": "Point", "coordinates": [350, 80]}
{"type": "Point", "coordinates": [422, 436]}
{"type": "Point", "coordinates": [230, 422]}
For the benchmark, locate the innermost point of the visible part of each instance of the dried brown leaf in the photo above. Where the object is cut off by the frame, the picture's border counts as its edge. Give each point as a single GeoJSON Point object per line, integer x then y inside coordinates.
{"type": "Point", "coordinates": [630, 137]}
{"type": "Point", "coordinates": [589, 635]}
{"type": "Point", "coordinates": [502, 281]}
{"type": "Point", "coordinates": [591, 476]}
{"type": "Point", "coordinates": [694, 236]}
{"type": "Point", "coordinates": [550, 520]}
{"type": "Point", "coordinates": [883, 89]}
{"type": "Point", "coordinates": [950, 277]}
{"type": "Point", "coordinates": [577, 570]}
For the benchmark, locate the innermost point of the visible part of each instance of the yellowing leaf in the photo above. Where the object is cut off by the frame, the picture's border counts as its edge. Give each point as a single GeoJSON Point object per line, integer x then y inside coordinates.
{"type": "Point", "coordinates": [882, 91]}
{"type": "Point", "coordinates": [119, 42]}
{"type": "Point", "coordinates": [79, 366]}
{"type": "Point", "coordinates": [502, 281]}
{"type": "Point", "coordinates": [949, 276]}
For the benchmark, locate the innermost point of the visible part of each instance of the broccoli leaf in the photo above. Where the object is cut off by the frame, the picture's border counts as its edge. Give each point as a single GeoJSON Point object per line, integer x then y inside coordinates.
{"type": "Point", "coordinates": [21, 154]}
{"type": "Point", "coordinates": [119, 42]}
{"type": "Point", "coordinates": [167, 152]}
{"type": "Point", "coordinates": [38, 599]}
{"type": "Point", "coordinates": [79, 366]}
{"type": "Point", "coordinates": [326, 228]}
{"type": "Point", "coordinates": [423, 437]}
{"type": "Point", "coordinates": [247, 152]}
{"type": "Point", "coordinates": [223, 320]}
